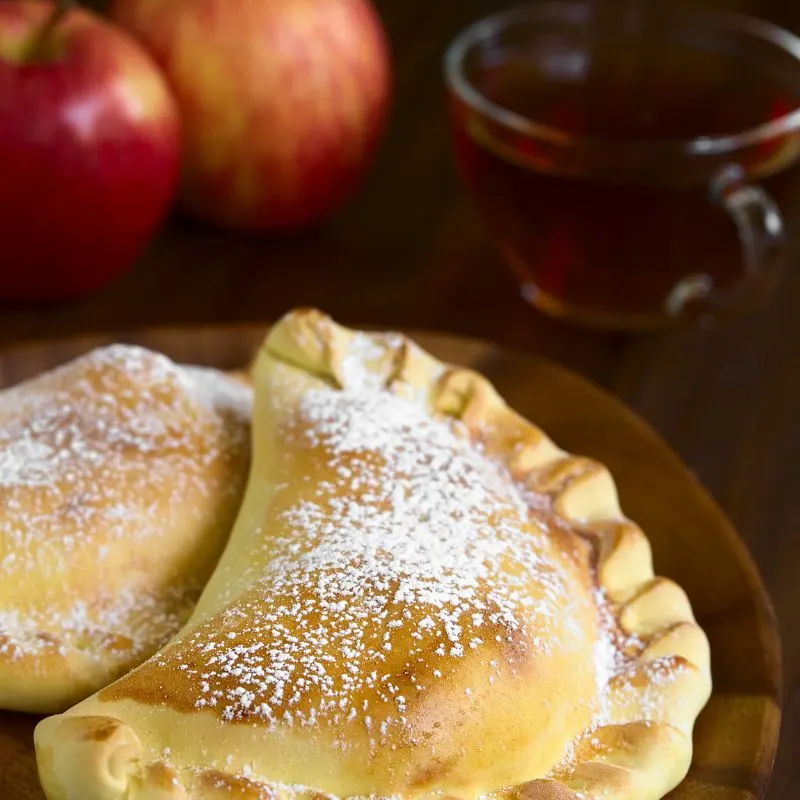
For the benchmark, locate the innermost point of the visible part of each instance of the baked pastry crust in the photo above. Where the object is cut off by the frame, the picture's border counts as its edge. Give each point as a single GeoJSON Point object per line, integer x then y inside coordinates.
{"type": "Point", "coordinates": [422, 596]}
{"type": "Point", "coordinates": [120, 477]}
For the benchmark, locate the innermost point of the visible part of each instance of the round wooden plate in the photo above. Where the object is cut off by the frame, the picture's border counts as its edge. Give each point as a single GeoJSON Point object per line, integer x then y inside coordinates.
{"type": "Point", "coordinates": [693, 542]}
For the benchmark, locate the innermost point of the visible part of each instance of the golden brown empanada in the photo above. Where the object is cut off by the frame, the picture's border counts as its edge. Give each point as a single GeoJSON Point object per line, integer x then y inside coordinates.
{"type": "Point", "coordinates": [120, 477]}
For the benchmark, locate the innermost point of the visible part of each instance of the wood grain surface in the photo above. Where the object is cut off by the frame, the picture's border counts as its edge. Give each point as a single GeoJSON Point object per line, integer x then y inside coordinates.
{"type": "Point", "coordinates": [408, 251]}
{"type": "Point", "coordinates": [692, 540]}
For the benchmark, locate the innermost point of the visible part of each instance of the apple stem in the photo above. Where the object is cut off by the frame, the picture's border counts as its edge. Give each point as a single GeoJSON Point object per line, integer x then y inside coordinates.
{"type": "Point", "coordinates": [40, 46]}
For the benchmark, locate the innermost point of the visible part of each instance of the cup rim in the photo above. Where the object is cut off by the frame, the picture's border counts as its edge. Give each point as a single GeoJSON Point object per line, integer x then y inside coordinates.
{"type": "Point", "coordinates": [714, 145]}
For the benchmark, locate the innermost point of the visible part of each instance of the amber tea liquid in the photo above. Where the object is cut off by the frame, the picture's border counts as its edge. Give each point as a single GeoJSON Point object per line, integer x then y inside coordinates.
{"type": "Point", "coordinates": [596, 248]}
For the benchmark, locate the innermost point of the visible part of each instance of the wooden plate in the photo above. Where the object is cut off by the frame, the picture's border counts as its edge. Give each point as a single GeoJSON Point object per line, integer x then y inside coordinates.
{"type": "Point", "coordinates": [693, 542]}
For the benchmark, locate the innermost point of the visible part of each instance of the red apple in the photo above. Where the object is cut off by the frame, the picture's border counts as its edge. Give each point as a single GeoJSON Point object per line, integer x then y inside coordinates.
{"type": "Point", "coordinates": [89, 150]}
{"type": "Point", "coordinates": [282, 101]}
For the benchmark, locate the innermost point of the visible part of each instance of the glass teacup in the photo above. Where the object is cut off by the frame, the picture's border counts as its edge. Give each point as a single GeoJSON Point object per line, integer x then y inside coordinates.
{"type": "Point", "coordinates": [614, 156]}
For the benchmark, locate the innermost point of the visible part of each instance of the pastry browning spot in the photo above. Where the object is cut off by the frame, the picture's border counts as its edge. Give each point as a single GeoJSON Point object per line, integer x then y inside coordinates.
{"type": "Point", "coordinates": [429, 774]}
{"type": "Point", "coordinates": [214, 783]}
{"type": "Point", "coordinates": [162, 776]}
{"type": "Point", "coordinates": [104, 729]}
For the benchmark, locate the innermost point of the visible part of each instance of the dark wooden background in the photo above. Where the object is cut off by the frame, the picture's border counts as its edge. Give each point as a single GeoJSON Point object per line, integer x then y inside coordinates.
{"type": "Point", "coordinates": [407, 251]}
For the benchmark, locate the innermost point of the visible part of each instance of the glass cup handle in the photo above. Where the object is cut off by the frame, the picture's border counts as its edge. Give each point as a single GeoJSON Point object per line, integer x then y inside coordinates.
{"type": "Point", "coordinates": [761, 233]}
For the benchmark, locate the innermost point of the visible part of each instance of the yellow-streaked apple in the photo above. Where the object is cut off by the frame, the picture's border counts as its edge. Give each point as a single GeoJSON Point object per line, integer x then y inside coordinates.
{"type": "Point", "coordinates": [89, 150]}
{"type": "Point", "coordinates": [282, 101]}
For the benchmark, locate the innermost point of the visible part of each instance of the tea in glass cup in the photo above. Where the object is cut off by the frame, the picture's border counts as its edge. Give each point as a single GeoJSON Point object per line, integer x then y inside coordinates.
{"type": "Point", "coordinates": [614, 156]}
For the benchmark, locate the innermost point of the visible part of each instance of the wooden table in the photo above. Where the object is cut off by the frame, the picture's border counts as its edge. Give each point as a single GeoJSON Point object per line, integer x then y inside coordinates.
{"type": "Point", "coordinates": [407, 251]}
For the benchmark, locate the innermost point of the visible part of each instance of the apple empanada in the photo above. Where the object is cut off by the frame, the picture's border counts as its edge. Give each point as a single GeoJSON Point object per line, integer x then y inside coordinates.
{"type": "Point", "coordinates": [422, 596]}
{"type": "Point", "coordinates": [121, 474]}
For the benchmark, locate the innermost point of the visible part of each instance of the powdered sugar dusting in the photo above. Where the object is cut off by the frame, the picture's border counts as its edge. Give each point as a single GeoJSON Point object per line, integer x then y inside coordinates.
{"type": "Point", "coordinates": [411, 525]}
{"type": "Point", "coordinates": [359, 368]}
{"type": "Point", "coordinates": [608, 656]}
{"type": "Point", "coordinates": [131, 624]}
{"type": "Point", "coordinates": [87, 453]}
{"type": "Point", "coordinates": [223, 393]}
{"type": "Point", "coordinates": [616, 664]}
{"type": "Point", "coordinates": [29, 462]}
{"type": "Point", "coordinates": [615, 653]}
{"type": "Point", "coordinates": [645, 684]}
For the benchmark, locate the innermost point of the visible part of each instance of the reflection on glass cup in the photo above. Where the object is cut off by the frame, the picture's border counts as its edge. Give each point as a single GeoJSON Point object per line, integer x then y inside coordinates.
{"type": "Point", "coordinates": [615, 157]}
